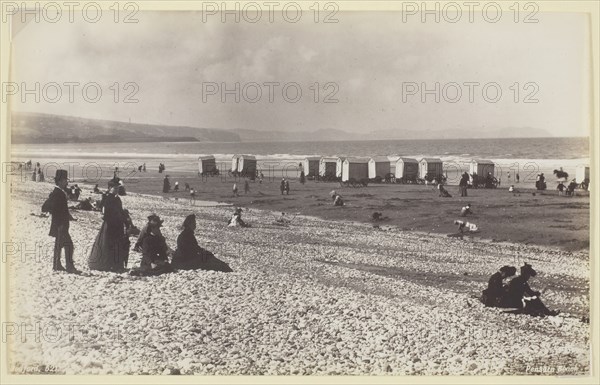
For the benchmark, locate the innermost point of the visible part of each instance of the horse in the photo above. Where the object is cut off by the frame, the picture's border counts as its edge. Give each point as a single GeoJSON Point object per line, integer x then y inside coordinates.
{"type": "Point", "coordinates": [560, 174]}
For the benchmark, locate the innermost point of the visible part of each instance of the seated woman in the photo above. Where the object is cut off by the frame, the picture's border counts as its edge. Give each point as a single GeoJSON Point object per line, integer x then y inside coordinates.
{"type": "Point", "coordinates": [154, 251]}
{"type": "Point", "coordinates": [338, 201]}
{"type": "Point", "coordinates": [496, 292]}
{"type": "Point", "coordinates": [236, 219]}
{"type": "Point", "coordinates": [520, 295]}
{"type": "Point", "coordinates": [190, 256]}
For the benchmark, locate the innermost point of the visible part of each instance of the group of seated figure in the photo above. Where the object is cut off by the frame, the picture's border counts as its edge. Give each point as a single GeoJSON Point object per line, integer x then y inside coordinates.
{"type": "Point", "coordinates": [516, 294]}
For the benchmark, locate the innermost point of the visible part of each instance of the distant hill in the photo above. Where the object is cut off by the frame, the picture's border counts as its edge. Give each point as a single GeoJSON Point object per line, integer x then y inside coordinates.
{"type": "Point", "coordinates": [30, 127]}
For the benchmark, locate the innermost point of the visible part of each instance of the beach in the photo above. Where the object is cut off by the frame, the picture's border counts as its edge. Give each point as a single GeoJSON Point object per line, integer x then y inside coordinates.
{"type": "Point", "coordinates": [526, 216]}
{"type": "Point", "coordinates": [325, 294]}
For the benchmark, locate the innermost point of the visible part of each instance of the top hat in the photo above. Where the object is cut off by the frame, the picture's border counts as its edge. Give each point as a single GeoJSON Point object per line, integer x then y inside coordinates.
{"type": "Point", "coordinates": [61, 174]}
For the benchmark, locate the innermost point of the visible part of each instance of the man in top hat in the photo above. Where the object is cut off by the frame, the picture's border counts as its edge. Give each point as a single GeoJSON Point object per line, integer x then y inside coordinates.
{"type": "Point", "coordinates": [56, 205]}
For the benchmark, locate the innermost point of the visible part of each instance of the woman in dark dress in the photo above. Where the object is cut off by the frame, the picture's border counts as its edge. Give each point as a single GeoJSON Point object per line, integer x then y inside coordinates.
{"type": "Point", "coordinates": [111, 248]}
{"type": "Point", "coordinates": [190, 256]}
{"type": "Point", "coordinates": [522, 297]}
{"type": "Point", "coordinates": [496, 293]}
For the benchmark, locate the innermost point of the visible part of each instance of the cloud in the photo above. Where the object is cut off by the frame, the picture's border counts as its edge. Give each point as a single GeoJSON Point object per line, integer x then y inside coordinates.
{"type": "Point", "coordinates": [368, 55]}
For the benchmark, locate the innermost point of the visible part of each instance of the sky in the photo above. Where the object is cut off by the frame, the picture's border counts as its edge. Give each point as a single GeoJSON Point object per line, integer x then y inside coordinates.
{"type": "Point", "coordinates": [371, 69]}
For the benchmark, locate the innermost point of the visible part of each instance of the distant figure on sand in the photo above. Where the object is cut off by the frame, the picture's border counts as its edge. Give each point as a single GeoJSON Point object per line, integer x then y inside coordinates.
{"type": "Point", "coordinates": [56, 205]}
{"type": "Point", "coordinates": [443, 192]}
{"type": "Point", "coordinates": [176, 188]}
{"type": "Point", "coordinates": [260, 178]}
{"type": "Point", "coordinates": [337, 200]}
{"type": "Point", "coordinates": [286, 187]}
{"type": "Point", "coordinates": [235, 190]}
{"type": "Point", "coordinates": [236, 219]}
{"type": "Point", "coordinates": [282, 186]}
{"type": "Point", "coordinates": [166, 185]}
{"type": "Point", "coordinates": [246, 186]}
{"type": "Point", "coordinates": [192, 196]}
{"type": "Point", "coordinates": [522, 297]}
{"type": "Point", "coordinates": [110, 251]}
{"type": "Point", "coordinates": [154, 250]}
{"type": "Point", "coordinates": [540, 183]}
{"type": "Point", "coordinates": [466, 226]}
{"type": "Point", "coordinates": [463, 183]}
{"type": "Point", "coordinates": [497, 292]}
{"type": "Point", "coordinates": [517, 177]}
{"type": "Point", "coordinates": [144, 167]}
{"type": "Point", "coordinates": [560, 188]}
{"type": "Point", "coordinates": [466, 210]}
{"type": "Point", "coordinates": [190, 256]}
{"type": "Point", "coordinates": [302, 177]}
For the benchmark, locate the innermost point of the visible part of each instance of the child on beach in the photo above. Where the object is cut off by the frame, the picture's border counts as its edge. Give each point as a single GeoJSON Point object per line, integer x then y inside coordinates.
{"type": "Point", "coordinates": [466, 210]}
{"type": "Point", "coordinates": [462, 226]}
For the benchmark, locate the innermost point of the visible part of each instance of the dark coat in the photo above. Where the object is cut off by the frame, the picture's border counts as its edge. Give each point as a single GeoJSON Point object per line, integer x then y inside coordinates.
{"type": "Point", "coordinates": [56, 205]}
{"type": "Point", "coordinates": [517, 289]}
{"type": "Point", "coordinates": [114, 216]}
{"type": "Point", "coordinates": [189, 255]}
{"type": "Point", "coordinates": [154, 249]}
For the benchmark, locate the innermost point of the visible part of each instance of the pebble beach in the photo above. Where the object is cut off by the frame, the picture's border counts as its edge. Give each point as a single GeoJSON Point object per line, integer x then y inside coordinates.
{"type": "Point", "coordinates": [314, 297]}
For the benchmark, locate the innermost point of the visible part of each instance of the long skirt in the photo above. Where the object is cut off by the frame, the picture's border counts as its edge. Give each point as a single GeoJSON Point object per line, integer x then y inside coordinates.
{"type": "Point", "coordinates": [110, 252]}
{"type": "Point", "coordinates": [202, 260]}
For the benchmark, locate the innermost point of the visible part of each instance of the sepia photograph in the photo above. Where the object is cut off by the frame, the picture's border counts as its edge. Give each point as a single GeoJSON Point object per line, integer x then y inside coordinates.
{"type": "Point", "coordinates": [313, 190]}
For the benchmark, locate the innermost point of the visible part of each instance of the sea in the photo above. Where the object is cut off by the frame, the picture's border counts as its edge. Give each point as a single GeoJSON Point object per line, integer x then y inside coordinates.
{"type": "Point", "coordinates": [527, 156]}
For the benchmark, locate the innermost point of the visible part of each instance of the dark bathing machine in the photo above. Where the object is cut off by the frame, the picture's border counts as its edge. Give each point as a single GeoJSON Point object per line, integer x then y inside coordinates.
{"type": "Point", "coordinates": [311, 166]}
{"type": "Point", "coordinates": [355, 168]}
{"type": "Point", "coordinates": [431, 168]}
{"type": "Point", "coordinates": [207, 165]}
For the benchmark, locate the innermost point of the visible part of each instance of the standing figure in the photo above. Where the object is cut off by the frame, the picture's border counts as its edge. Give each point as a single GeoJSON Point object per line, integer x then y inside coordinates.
{"type": "Point", "coordinates": [302, 177]}
{"type": "Point", "coordinates": [462, 185]}
{"type": "Point", "coordinates": [517, 177]}
{"type": "Point", "coordinates": [166, 184]}
{"type": "Point", "coordinates": [192, 196]}
{"type": "Point", "coordinates": [176, 189]}
{"type": "Point", "coordinates": [287, 187]}
{"type": "Point", "coordinates": [282, 186]}
{"type": "Point", "coordinates": [235, 190]}
{"type": "Point", "coordinates": [246, 186]}
{"type": "Point", "coordinates": [56, 205]}
{"type": "Point", "coordinates": [110, 251]}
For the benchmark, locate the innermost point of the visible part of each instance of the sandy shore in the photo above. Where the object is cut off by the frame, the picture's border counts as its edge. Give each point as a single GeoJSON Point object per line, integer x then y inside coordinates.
{"type": "Point", "coordinates": [315, 297]}
{"type": "Point", "coordinates": [527, 217]}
